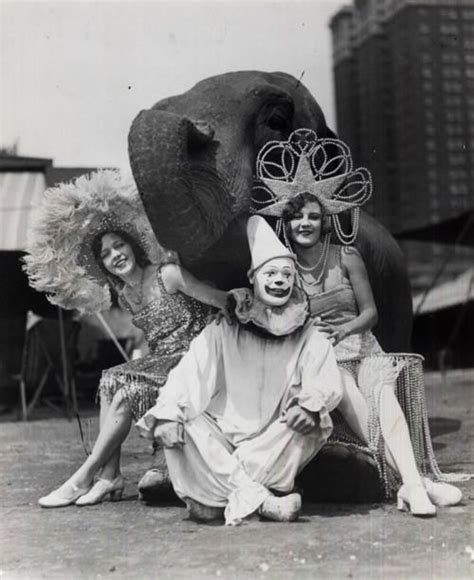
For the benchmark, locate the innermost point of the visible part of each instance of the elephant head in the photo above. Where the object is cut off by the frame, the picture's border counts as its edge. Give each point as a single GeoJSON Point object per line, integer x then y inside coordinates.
{"type": "Point", "coordinates": [193, 158]}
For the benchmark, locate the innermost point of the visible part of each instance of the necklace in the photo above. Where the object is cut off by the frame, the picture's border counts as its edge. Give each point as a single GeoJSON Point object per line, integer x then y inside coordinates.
{"type": "Point", "coordinates": [319, 261]}
{"type": "Point", "coordinates": [321, 264]}
{"type": "Point", "coordinates": [135, 298]}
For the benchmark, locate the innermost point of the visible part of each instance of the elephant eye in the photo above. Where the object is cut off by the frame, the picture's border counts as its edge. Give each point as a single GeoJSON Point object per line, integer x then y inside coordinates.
{"type": "Point", "coordinates": [277, 121]}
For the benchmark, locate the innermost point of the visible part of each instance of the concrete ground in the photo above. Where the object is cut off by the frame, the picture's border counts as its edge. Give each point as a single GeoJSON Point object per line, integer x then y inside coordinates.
{"type": "Point", "coordinates": [131, 540]}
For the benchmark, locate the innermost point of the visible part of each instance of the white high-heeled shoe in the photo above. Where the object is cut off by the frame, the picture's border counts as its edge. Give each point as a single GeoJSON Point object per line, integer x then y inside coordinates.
{"type": "Point", "coordinates": [415, 499]}
{"type": "Point", "coordinates": [442, 493]}
{"type": "Point", "coordinates": [65, 495]}
{"type": "Point", "coordinates": [281, 509]}
{"type": "Point", "coordinates": [101, 489]}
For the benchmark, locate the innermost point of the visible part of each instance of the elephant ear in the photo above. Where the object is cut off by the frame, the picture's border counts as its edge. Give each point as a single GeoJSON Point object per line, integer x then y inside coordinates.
{"type": "Point", "coordinates": [330, 134]}
{"type": "Point", "coordinates": [173, 163]}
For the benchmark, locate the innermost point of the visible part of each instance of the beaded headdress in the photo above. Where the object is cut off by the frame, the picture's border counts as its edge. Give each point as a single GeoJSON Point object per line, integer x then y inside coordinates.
{"type": "Point", "coordinates": [321, 167]}
{"type": "Point", "coordinates": [60, 259]}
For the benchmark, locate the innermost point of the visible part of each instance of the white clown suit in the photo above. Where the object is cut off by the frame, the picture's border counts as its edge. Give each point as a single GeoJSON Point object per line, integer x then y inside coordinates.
{"type": "Point", "coordinates": [231, 391]}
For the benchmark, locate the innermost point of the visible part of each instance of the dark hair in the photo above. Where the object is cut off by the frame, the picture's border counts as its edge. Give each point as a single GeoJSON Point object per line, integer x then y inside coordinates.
{"type": "Point", "coordinates": [295, 204]}
{"type": "Point", "coordinates": [138, 251]}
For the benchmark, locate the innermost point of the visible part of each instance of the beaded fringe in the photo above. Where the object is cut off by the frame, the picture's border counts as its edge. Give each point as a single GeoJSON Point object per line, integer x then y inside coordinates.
{"type": "Point", "coordinates": [406, 371]}
{"type": "Point", "coordinates": [343, 434]}
{"type": "Point", "coordinates": [136, 389]}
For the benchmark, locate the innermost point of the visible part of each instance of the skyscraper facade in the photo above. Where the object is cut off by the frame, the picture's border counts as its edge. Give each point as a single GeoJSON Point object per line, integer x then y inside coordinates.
{"type": "Point", "coordinates": [404, 84]}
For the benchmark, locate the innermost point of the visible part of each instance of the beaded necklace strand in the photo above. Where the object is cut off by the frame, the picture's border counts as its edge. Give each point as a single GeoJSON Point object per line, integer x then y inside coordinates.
{"type": "Point", "coordinates": [320, 264]}
{"type": "Point", "coordinates": [135, 300]}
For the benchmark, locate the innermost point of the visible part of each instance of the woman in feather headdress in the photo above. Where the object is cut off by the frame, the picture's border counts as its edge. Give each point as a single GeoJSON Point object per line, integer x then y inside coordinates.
{"type": "Point", "coordinates": [92, 236]}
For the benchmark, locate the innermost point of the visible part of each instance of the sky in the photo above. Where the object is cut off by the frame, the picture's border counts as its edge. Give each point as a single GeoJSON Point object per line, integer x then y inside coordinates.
{"type": "Point", "coordinates": [75, 74]}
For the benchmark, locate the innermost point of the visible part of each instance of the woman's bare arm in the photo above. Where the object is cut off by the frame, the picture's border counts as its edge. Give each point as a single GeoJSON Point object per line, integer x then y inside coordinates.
{"type": "Point", "coordinates": [356, 271]}
{"type": "Point", "coordinates": [177, 279]}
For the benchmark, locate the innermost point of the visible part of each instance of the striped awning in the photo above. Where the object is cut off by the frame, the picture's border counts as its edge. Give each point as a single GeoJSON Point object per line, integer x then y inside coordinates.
{"type": "Point", "coordinates": [20, 194]}
{"type": "Point", "coordinates": [452, 293]}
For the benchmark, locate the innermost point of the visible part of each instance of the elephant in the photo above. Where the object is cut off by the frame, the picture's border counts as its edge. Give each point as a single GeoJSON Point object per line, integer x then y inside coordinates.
{"type": "Point", "coordinates": [193, 159]}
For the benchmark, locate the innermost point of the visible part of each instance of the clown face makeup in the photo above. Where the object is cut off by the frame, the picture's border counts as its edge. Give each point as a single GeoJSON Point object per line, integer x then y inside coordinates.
{"type": "Point", "coordinates": [273, 282]}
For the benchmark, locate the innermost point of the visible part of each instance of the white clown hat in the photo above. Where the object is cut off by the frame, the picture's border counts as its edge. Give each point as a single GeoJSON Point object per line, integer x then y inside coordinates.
{"type": "Point", "coordinates": [264, 243]}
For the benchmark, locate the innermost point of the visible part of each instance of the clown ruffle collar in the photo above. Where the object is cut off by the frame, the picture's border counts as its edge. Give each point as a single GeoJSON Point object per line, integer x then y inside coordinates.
{"type": "Point", "coordinates": [276, 321]}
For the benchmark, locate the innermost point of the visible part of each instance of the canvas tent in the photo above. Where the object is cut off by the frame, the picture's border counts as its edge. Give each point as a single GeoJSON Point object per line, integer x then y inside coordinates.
{"type": "Point", "coordinates": [455, 230]}
{"type": "Point", "coordinates": [443, 329]}
{"type": "Point", "coordinates": [23, 181]}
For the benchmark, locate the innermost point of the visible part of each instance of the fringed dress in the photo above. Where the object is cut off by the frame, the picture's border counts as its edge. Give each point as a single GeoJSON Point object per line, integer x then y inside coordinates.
{"type": "Point", "coordinates": [371, 367]}
{"type": "Point", "coordinates": [338, 306]}
{"type": "Point", "coordinates": [169, 323]}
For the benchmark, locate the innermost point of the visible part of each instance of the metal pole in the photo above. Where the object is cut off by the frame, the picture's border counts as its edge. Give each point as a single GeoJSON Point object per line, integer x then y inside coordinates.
{"type": "Point", "coordinates": [112, 336]}
{"type": "Point", "coordinates": [64, 358]}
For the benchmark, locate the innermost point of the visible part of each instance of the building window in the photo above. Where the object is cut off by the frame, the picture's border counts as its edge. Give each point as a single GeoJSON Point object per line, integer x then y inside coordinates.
{"type": "Point", "coordinates": [428, 101]}
{"type": "Point", "coordinates": [451, 29]}
{"type": "Point", "coordinates": [430, 145]}
{"type": "Point", "coordinates": [470, 72]}
{"type": "Point", "coordinates": [430, 129]}
{"type": "Point", "coordinates": [455, 144]}
{"type": "Point", "coordinates": [449, 14]}
{"type": "Point", "coordinates": [468, 28]}
{"type": "Point", "coordinates": [456, 159]}
{"type": "Point", "coordinates": [452, 86]}
{"type": "Point", "coordinates": [451, 72]}
{"type": "Point", "coordinates": [450, 57]}
{"type": "Point", "coordinates": [427, 86]}
{"type": "Point", "coordinates": [426, 72]}
{"type": "Point", "coordinates": [457, 175]}
{"type": "Point", "coordinates": [468, 14]}
{"type": "Point", "coordinates": [454, 129]}
{"type": "Point", "coordinates": [424, 28]}
{"type": "Point", "coordinates": [457, 188]}
{"type": "Point", "coordinates": [454, 115]}
{"type": "Point", "coordinates": [453, 100]}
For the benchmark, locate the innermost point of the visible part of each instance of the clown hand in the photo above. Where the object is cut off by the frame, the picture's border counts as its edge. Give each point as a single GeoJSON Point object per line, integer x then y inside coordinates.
{"type": "Point", "coordinates": [333, 333]}
{"type": "Point", "coordinates": [300, 420]}
{"type": "Point", "coordinates": [226, 311]}
{"type": "Point", "coordinates": [169, 434]}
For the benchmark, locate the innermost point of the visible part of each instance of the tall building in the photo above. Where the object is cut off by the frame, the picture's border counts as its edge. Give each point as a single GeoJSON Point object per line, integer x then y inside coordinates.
{"type": "Point", "coordinates": [404, 83]}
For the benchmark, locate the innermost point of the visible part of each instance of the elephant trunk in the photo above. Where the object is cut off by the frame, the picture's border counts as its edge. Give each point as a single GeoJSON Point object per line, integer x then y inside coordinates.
{"type": "Point", "coordinates": [173, 163]}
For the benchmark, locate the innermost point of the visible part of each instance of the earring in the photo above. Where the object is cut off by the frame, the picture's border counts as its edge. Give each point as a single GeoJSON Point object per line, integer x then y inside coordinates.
{"type": "Point", "coordinates": [326, 225]}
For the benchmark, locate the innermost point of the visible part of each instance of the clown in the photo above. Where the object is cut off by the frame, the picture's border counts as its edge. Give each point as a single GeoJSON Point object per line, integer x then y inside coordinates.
{"type": "Point", "coordinates": [248, 406]}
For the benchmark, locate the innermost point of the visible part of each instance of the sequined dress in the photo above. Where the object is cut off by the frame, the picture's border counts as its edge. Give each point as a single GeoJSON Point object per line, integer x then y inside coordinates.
{"type": "Point", "coordinates": [337, 306]}
{"type": "Point", "coordinates": [169, 323]}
